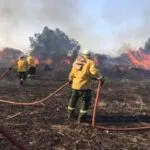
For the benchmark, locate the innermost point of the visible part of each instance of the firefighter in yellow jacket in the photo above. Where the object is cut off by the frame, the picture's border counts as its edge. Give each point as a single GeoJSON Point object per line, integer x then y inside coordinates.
{"type": "Point", "coordinates": [22, 68]}
{"type": "Point", "coordinates": [83, 70]}
{"type": "Point", "coordinates": [31, 67]}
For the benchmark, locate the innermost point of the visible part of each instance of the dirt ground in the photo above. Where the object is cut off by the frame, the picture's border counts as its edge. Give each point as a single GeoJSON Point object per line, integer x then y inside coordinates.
{"type": "Point", "coordinates": [123, 104]}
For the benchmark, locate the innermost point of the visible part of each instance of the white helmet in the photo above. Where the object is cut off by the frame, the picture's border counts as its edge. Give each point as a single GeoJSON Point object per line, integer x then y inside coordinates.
{"type": "Point", "coordinates": [86, 52]}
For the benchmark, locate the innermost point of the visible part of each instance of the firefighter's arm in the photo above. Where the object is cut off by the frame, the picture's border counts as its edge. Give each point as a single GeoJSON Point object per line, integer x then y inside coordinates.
{"type": "Point", "coordinates": [94, 71]}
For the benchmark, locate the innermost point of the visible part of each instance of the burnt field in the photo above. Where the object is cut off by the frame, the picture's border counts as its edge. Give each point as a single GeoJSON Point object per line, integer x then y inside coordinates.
{"type": "Point", "coordinates": [124, 103]}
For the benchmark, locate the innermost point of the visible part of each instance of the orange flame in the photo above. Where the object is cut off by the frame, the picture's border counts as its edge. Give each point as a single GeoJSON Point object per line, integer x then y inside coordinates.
{"type": "Point", "coordinates": [139, 59]}
{"type": "Point", "coordinates": [36, 61]}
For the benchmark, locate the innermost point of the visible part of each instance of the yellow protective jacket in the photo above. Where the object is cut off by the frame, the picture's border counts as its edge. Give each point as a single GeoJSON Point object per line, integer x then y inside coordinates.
{"type": "Point", "coordinates": [22, 65]}
{"type": "Point", "coordinates": [30, 61]}
{"type": "Point", "coordinates": [82, 71]}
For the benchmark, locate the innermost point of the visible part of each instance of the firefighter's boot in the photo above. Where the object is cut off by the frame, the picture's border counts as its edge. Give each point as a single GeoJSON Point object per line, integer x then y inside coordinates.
{"type": "Point", "coordinates": [82, 117]}
{"type": "Point", "coordinates": [71, 114]}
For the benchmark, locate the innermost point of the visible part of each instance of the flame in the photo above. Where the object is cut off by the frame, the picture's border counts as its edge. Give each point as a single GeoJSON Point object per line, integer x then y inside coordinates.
{"type": "Point", "coordinates": [139, 59]}
{"type": "Point", "coordinates": [36, 61]}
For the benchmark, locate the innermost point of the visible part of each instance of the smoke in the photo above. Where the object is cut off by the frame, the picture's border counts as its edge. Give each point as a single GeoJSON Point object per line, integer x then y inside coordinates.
{"type": "Point", "coordinates": [131, 25]}
{"type": "Point", "coordinates": [20, 19]}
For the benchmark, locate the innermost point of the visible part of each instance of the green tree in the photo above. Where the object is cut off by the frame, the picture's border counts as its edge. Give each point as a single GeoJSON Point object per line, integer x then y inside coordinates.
{"type": "Point", "coordinates": [54, 43]}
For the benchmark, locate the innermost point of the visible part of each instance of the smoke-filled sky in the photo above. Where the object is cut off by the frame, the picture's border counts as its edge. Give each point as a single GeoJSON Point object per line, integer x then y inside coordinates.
{"type": "Point", "coordinates": [100, 25]}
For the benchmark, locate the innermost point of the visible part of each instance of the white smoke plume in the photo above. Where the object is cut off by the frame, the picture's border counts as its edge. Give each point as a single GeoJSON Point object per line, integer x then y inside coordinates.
{"type": "Point", "coordinates": [20, 19]}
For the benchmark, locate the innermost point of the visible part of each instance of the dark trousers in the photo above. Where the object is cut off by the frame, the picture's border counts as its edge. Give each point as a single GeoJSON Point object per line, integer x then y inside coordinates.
{"type": "Point", "coordinates": [83, 97]}
{"type": "Point", "coordinates": [32, 71]}
{"type": "Point", "coordinates": [22, 75]}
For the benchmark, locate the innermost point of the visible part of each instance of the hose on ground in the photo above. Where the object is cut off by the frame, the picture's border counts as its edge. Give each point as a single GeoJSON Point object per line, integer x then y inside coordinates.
{"type": "Point", "coordinates": [11, 139]}
{"type": "Point", "coordinates": [36, 102]}
{"type": "Point", "coordinates": [111, 128]}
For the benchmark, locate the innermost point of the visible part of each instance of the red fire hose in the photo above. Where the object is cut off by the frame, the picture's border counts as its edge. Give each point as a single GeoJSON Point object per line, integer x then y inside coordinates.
{"type": "Point", "coordinates": [11, 139]}
{"type": "Point", "coordinates": [36, 102]}
{"type": "Point", "coordinates": [107, 128]}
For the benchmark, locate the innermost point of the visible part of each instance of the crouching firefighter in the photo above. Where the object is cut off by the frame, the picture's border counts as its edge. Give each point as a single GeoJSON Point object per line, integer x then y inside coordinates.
{"type": "Point", "coordinates": [82, 72]}
{"type": "Point", "coordinates": [22, 68]}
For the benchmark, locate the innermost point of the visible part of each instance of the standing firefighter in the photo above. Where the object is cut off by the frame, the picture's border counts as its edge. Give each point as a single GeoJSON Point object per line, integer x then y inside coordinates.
{"type": "Point", "coordinates": [31, 67]}
{"type": "Point", "coordinates": [83, 70]}
{"type": "Point", "coordinates": [22, 68]}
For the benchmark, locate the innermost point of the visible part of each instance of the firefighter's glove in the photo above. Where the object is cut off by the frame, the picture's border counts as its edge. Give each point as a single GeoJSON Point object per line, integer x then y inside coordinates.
{"type": "Point", "coordinates": [102, 79]}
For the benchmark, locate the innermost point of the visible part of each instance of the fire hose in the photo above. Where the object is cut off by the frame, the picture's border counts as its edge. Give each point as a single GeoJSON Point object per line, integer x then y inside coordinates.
{"type": "Point", "coordinates": [111, 128]}
{"type": "Point", "coordinates": [94, 109]}
{"type": "Point", "coordinates": [36, 102]}
{"type": "Point", "coordinates": [93, 116]}
{"type": "Point", "coordinates": [11, 139]}
{"type": "Point", "coordinates": [31, 103]}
